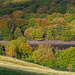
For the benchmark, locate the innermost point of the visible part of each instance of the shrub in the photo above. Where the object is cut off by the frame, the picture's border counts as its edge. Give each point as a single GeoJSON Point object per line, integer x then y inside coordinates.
{"type": "Point", "coordinates": [1, 52]}
{"type": "Point", "coordinates": [2, 49]}
{"type": "Point", "coordinates": [64, 58]}
{"type": "Point", "coordinates": [49, 63]}
{"type": "Point", "coordinates": [72, 67]}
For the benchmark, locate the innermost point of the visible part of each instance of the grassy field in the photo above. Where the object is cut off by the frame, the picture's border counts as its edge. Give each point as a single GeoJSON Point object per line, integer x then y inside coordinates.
{"type": "Point", "coordinates": [6, 71]}
{"type": "Point", "coordinates": [12, 66]}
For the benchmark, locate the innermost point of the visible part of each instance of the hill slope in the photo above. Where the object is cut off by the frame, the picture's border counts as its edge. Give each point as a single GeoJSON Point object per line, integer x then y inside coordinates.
{"type": "Point", "coordinates": [12, 63]}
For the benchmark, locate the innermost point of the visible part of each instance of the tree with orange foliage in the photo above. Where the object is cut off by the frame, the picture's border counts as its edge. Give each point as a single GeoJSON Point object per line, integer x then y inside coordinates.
{"type": "Point", "coordinates": [3, 22]}
{"type": "Point", "coordinates": [17, 14]}
{"type": "Point", "coordinates": [42, 22]}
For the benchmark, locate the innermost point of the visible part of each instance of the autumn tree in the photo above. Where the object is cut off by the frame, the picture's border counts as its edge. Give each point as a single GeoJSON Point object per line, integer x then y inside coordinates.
{"type": "Point", "coordinates": [39, 33]}
{"type": "Point", "coordinates": [49, 17]}
{"type": "Point", "coordinates": [3, 22]}
{"type": "Point", "coordinates": [60, 21]}
{"type": "Point", "coordinates": [17, 14]}
{"type": "Point", "coordinates": [25, 50]}
{"type": "Point", "coordinates": [12, 47]}
{"type": "Point", "coordinates": [43, 53]}
{"type": "Point", "coordinates": [57, 15]}
{"type": "Point", "coordinates": [30, 33]}
{"type": "Point", "coordinates": [73, 23]}
{"type": "Point", "coordinates": [42, 22]}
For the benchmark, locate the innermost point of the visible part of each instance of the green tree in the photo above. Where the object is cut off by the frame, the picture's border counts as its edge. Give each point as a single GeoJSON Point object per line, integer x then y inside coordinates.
{"type": "Point", "coordinates": [66, 33]}
{"type": "Point", "coordinates": [50, 34]}
{"type": "Point", "coordinates": [68, 17]}
{"type": "Point", "coordinates": [39, 33]}
{"type": "Point", "coordinates": [17, 33]}
{"type": "Point", "coordinates": [30, 33]}
{"type": "Point", "coordinates": [21, 23]}
{"type": "Point", "coordinates": [0, 35]}
{"type": "Point", "coordinates": [32, 22]}
{"type": "Point", "coordinates": [64, 58]}
{"type": "Point", "coordinates": [43, 53]}
{"type": "Point", "coordinates": [5, 31]}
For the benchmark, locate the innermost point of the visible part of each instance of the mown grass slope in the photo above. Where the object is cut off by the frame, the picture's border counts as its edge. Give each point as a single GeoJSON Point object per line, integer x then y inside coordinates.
{"type": "Point", "coordinates": [12, 66]}
{"type": "Point", "coordinates": [6, 71]}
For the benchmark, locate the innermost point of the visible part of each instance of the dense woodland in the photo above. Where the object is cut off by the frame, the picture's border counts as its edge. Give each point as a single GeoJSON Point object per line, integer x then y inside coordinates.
{"type": "Point", "coordinates": [22, 20]}
{"type": "Point", "coordinates": [37, 19]}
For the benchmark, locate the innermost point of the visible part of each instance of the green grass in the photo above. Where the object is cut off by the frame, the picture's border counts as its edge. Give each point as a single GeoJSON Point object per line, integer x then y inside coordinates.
{"type": "Point", "coordinates": [12, 66]}
{"type": "Point", "coordinates": [6, 71]}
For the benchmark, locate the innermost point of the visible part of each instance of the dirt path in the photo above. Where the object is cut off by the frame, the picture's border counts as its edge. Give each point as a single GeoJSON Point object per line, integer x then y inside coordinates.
{"type": "Point", "coordinates": [48, 42]}
{"type": "Point", "coordinates": [52, 42]}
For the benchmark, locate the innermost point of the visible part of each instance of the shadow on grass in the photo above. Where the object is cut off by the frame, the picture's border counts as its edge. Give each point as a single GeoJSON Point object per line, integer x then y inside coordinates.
{"type": "Point", "coordinates": [6, 71]}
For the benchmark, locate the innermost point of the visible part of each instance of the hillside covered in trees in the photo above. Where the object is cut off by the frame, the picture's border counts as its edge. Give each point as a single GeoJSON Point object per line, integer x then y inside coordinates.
{"type": "Point", "coordinates": [37, 19]}
{"type": "Point", "coordinates": [23, 20]}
